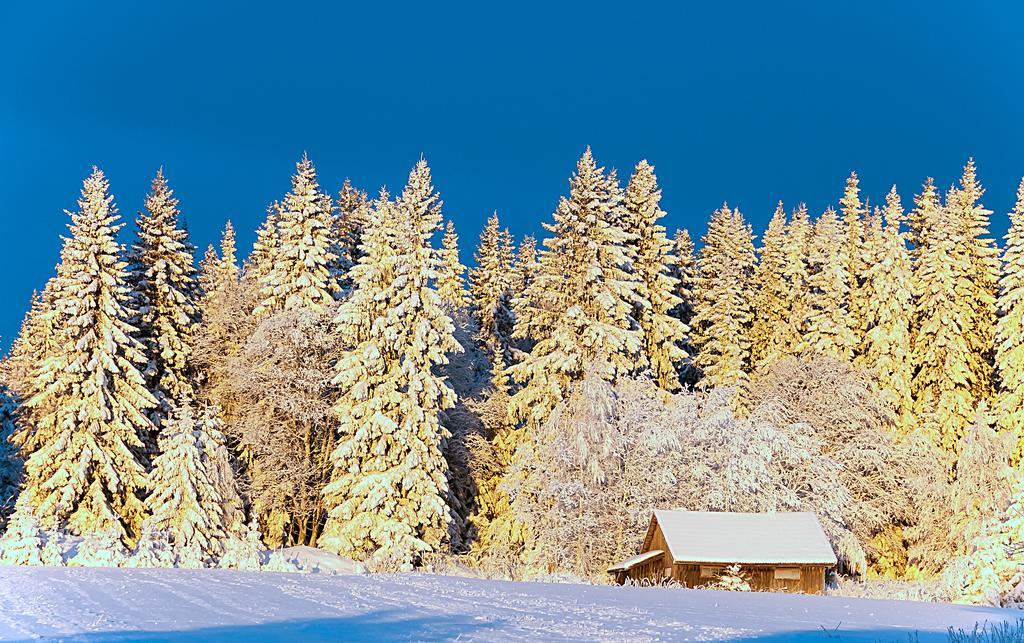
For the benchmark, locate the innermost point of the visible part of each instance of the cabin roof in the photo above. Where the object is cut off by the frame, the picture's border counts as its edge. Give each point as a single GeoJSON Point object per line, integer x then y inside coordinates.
{"type": "Point", "coordinates": [744, 538]}
{"type": "Point", "coordinates": [639, 559]}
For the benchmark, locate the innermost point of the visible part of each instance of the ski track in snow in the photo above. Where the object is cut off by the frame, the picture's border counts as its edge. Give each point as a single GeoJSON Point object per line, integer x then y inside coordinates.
{"type": "Point", "coordinates": [99, 605]}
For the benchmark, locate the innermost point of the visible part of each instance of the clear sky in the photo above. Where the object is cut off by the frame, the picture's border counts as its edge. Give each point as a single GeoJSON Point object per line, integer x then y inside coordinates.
{"type": "Point", "coordinates": [745, 102]}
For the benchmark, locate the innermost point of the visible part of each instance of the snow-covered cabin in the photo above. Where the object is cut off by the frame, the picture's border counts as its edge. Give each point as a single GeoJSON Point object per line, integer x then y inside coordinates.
{"type": "Point", "coordinates": [785, 552]}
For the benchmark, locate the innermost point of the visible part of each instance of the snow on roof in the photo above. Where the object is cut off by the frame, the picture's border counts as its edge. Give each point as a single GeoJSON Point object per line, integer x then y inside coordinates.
{"type": "Point", "coordinates": [744, 538]}
{"type": "Point", "coordinates": [630, 563]}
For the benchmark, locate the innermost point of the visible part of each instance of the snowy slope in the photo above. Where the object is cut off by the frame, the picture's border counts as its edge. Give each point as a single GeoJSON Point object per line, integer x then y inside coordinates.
{"type": "Point", "coordinates": [176, 605]}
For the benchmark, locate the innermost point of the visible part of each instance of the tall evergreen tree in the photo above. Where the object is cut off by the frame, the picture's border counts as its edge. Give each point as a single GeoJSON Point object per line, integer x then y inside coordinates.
{"type": "Point", "coordinates": [943, 386]}
{"type": "Point", "coordinates": [261, 260]}
{"type": "Point", "coordinates": [193, 505]}
{"type": "Point", "coordinates": [724, 303]}
{"type": "Point", "coordinates": [768, 336]}
{"type": "Point", "coordinates": [526, 266]}
{"type": "Point", "coordinates": [796, 250]}
{"type": "Point", "coordinates": [1009, 333]}
{"type": "Point", "coordinates": [304, 271]}
{"type": "Point", "coordinates": [164, 277]}
{"type": "Point", "coordinates": [489, 288]}
{"type": "Point", "coordinates": [889, 294]}
{"type": "Point", "coordinates": [349, 222]}
{"type": "Point", "coordinates": [663, 334]}
{"type": "Point", "coordinates": [984, 276]}
{"type": "Point", "coordinates": [84, 473]}
{"type": "Point", "coordinates": [851, 251]}
{"type": "Point", "coordinates": [451, 285]}
{"type": "Point", "coordinates": [388, 493]}
{"type": "Point", "coordinates": [579, 308]}
{"type": "Point", "coordinates": [830, 325]}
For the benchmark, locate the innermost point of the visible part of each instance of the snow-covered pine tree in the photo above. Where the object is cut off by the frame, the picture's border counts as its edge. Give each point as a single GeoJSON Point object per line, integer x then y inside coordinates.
{"type": "Point", "coordinates": [684, 269]}
{"type": "Point", "coordinates": [260, 261]}
{"type": "Point", "coordinates": [489, 288]}
{"type": "Point", "coordinates": [943, 384]}
{"type": "Point", "coordinates": [526, 266]}
{"type": "Point", "coordinates": [84, 473]}
{"type": "Point", "coordinates": [1009, 333]}
{"type": "Point", "coordinates": [983, 279]}
{"type": "Point", "coordinates": [349, 221]}
{"type": "Point", "coordinates": [304, 271]}
{"type": "Point", "coordinates": [829, 329]}
{"type": "Point", "coordinates": [851, 251]}
{"type": "Point", "coordinates": [796, 249]}
{"type": "Point", "coordinates": [163, 275]}
{"type": "Point", "coordinates": [923, 204]}
{"type": "Point", "coordinates": [653, 265]}
{"type": "Point", "coordinates": [10, 462]}
{"type": "Point", "coordinates": [723, 304]}
{"type": "Point", "coordinates": [771, 293]}
{"type": "Point", "coordinates": [889, 293]}
{"type": "Point", "coordinates": [579, 308]}
{"type": "Point", "coordinates": [388, 494]}
{"type": "Point", "coordinates": [451, 285]}
{"type": "Point", "coordinates": [193, 502]}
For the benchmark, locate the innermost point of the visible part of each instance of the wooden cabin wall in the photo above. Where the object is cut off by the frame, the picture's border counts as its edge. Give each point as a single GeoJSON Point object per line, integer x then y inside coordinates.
{"type": "Point", "coordinates": [760, 577]}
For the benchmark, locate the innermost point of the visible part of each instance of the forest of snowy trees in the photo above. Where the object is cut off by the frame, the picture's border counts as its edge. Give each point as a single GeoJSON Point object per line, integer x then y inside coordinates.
{"type": "Point", "coordinates": [350, 385]}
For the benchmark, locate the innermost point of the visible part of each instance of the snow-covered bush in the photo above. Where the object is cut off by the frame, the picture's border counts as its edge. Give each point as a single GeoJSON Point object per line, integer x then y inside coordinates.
{"type": "Point", "coordinates": [731, 579]}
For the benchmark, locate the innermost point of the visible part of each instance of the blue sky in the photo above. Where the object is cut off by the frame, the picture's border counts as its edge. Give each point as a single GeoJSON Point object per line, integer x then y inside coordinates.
{"type": "Point", "coordinates": [745, 102]}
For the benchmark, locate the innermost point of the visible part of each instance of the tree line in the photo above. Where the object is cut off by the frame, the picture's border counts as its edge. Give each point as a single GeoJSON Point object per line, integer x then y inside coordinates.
{"type": "Point", "coordinates": [351, 385]}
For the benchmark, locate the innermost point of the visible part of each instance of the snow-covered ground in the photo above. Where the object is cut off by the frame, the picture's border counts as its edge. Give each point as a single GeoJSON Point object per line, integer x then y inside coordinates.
{"type": "Point", "coordinates": [177, 604]}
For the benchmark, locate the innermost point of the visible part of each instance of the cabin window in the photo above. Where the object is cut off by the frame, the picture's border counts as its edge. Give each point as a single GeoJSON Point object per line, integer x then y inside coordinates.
{"type": "Point", "coordinates": [787, 573]}
{"type": "Point", "coordinates": [710, 571]}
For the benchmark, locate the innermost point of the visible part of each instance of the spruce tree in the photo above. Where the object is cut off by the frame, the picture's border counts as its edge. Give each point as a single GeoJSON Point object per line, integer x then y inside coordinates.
{"type": "Point", "coordinates": [388, 494]}
{"type": "Point", "coordinates": [684, 269]}
{"type": "Point", "coordinates": [304, 271]}
{"type": "Point", "coordinates": [10, 462]}
{"type": "Point", "coordinates": [164, 277]}
{"type": "Point", "coordinates": [889, 295]}
{"type": "Point", "coordinates": [653, 263]}
{"type": "Point", "coordinates": [451, 285]}
{"type": "Point", "coordinates": [796, 250]}
{"type": "Point", "coordinates": [193, 501]}
{"type": "Point", "coordinates": [261, 260]}
{"type": "Point", "coordinates": [771, 292]}
{"type": "Point", "coordinates": [579, 308]}
{"type": "Point", "coordinates": [983, 278]}
{"type": "Point", "coordinates": [943, 385]}
{"type": "Point", "coordinates": [349, 222]}
{"type": "Point", "coordinates": [526, 266]}
{"type": "Point", "coordinates": [84, 473]}
{"type": "Point", "coordinates": [1009, 333]}
{"type": "Point", "coordinates": [851, 251]}
{"type": "Point", "coordinates": [830, 324]}
{"type": "Point", "coordinates": [723, 304]}
{"type": "Point", "coordinates": [489, 288]}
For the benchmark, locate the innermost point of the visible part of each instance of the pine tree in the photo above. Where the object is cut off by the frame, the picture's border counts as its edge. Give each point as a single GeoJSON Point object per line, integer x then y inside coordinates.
{"type": "Point", "coordinates": [889, 292]}
{"type": "Point", "coordinates": [164, 277]}
{"type": "Point", "coordinates": [684, 269]}
{"type": "Point", "coordinates": [261, 260]}
{"type": "Point", "coordinates": [10, 462]}
{"type": "Point", "coordinates": [796, 250]}
{"type": "Point", "coordinates": [451, 285]}
{"type": "Point", "coordinates": [663, 334]}
{"type": "Point", "coordinates": [388, 493]}
{"type": "Point", "coordinates": [349, 222]}
{"type": "Point", "coordinates": [193, 501]}
{"type": "Point", "coordinates": [1009, 333]}
{"type": "Point", "coordinates": [489, 288]}
{"type": "Point", "coordinates": [526, 266]}
{"type": "Point", "coordinates": [84, 474]}
{"type": "Point", "coordinates": [984, 276]}
{"type": "Point", "coordinates": [723, 304]}
{"type": "Point", "coordinates": [851, 251]}
{"type": "Point", "coordinates": [579, 308]}
{"type": "Point", "coordinates": [304, 271]}
{"type": "Point", "coordinates": [771, 293]}
{"type": "Point", "coordinates": [943, 387]}
{"type": "Point", "coordinates": [829, 329]}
